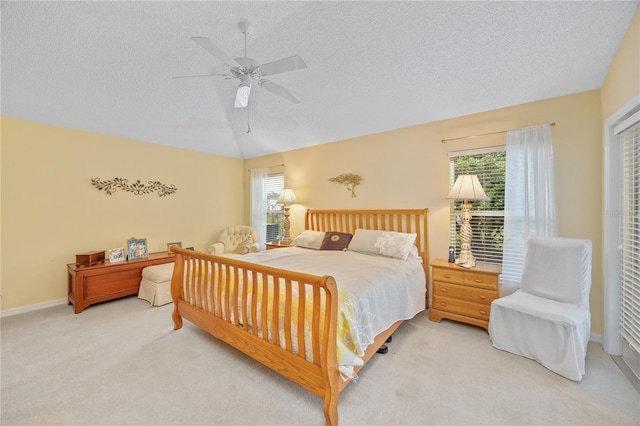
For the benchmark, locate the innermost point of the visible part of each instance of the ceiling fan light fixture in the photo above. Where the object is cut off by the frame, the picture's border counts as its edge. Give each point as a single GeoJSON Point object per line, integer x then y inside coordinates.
{"type": "Point", "coordinates": [247, 70]}
{"type": "Point", "coordinates": [242, 95]}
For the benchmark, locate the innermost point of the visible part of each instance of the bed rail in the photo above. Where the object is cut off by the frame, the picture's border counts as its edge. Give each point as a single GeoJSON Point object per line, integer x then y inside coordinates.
{"type": "Point", "coordinates": [286, 320]}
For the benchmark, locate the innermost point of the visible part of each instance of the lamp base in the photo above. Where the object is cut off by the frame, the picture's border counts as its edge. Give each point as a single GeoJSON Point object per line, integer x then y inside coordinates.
{"type": "Point", "coordinates": [466, 259]}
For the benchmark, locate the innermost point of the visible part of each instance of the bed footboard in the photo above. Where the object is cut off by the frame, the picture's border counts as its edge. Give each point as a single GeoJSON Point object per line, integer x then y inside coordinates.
{"type": "Point", "coordinates": [283, 319]}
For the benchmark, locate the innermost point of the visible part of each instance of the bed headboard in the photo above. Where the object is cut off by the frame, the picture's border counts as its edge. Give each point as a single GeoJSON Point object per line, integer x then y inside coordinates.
{"type": "Point", "coordinates": [408, 220]}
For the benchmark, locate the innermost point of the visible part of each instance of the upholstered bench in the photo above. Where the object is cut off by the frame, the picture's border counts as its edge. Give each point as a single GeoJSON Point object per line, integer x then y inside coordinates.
{"type": "Point", "coordinates": [155, 286]}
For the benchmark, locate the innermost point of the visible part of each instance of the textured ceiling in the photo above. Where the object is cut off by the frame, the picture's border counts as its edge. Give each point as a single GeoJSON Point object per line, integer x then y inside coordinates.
{"type": "Point", "coordinates": [107, 67]}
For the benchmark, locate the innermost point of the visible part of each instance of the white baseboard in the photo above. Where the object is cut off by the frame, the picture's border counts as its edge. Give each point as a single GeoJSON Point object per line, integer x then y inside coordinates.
{"type": "Point", "coordinates": [597, 338]}
{"type": "Point", "coordinates": [35, 307]}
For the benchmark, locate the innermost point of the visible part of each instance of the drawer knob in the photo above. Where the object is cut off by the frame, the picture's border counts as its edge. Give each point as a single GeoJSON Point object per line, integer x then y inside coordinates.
{"type": "Point", "coordinates": [447, 276]}
{"type": "Point", "coordinates": [443, 290]}
{"type": "Point", "coordinates": [483, 297]}
{"type": "Point", "coordinates": [443, 304]}
{"type": "Point", "coordinates": [478, 280]}
{"type": "Point", "coordinates": [483, 312]}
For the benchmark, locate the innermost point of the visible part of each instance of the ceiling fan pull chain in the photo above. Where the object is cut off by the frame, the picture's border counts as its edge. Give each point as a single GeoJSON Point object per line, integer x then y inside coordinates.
{"type": "Point", "coordinates": [248, 125]}
{"type": "Point", "coordinates": [245, 44]}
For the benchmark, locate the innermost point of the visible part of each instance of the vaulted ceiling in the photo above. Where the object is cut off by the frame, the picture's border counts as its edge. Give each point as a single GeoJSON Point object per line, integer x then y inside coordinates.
{"type": "Point", "coordinates": [108, 66]}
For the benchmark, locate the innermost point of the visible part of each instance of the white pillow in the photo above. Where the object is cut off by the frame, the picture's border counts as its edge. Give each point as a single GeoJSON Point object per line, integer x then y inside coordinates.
{"type": "Point", "coordinates": [387, 243]}
{"type": "Point", "coordinates": [364, 241]}
{"type": "Point", "coordinates": [309, 239]}
{"type": "Point", "coordinates": [395, 244]}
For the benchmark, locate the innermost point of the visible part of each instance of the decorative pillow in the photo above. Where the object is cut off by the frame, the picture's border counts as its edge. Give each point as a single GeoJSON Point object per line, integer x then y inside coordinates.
{"type": "Point", "coordinates": [364, 241]}
{"type": "Point", "coordinates": [245, 246]}
{"type": "Point", "coordinates": [309, 239]}
{"type": "Point", "coordinates": [335, 241]}
{"type": "Point", "coordinates": [395, 244]}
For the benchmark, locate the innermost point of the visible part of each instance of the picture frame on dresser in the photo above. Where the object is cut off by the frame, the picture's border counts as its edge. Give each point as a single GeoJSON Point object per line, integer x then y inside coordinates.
{"type": "Point", "coordinates": [117, 255]}
{"type": "Point", "coordinates": [175, 244]}
{"type": "Point", "coordinates": [137, 248]}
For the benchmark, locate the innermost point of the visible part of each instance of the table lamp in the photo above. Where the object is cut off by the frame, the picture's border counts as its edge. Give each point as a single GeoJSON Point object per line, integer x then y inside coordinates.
{"type": "Point", "coordinates": [467, 188]}
{"type": "Point", "coordinates": [286, 198]}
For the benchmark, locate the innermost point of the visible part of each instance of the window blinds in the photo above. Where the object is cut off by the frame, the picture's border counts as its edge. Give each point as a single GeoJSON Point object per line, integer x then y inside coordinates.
{"type": "Point", "coordinates": [487, 217]}
{"type": "Point", "coordinates": [629, 134]}
{"type": "Point", "coordinates": [273, 186]}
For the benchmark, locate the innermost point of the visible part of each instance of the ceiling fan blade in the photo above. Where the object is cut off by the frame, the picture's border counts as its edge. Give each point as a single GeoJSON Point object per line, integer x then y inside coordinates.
{"type": "Point", "coordinates": [282, 65]}
{"type": "Point", "coordinates": [280, 91]}
{"type": "Point", "coordinates": [212, 76]}
{"type": "Point", "coordinates": [208, 45]}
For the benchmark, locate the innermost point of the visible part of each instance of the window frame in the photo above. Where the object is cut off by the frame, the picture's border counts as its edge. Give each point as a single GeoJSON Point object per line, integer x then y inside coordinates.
{"type": "Point", "coordinates": [611, 258]}
{"type": "Point", "coordinates": [273, 184]}
{"type": "Point", "coordinates": [482, 252]}
{"type": "Point", "coordinates": [628, 133]}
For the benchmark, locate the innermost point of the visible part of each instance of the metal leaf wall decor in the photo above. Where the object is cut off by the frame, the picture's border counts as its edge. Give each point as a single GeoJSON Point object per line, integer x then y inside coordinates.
{"type": "Point", "coordinates": [137, 188]}
{"type": "Point", "coordinates": [349, 180]}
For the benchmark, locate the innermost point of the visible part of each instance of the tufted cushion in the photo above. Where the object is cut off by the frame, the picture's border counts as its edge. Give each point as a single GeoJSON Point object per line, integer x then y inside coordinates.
{"type": "Point", "coordinates": [233, 236]}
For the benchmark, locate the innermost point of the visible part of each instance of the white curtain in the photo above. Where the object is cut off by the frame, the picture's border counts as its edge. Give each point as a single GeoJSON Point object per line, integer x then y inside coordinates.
{"type": "Point", "coordinates": [259, 204]}
{"type": "Point", "coordinates": [530, 201]}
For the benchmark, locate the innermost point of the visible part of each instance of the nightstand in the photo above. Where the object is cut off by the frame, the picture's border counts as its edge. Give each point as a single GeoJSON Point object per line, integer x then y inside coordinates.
{"type": "Point", "coordinates": [464, 294]}
{"type": "Point", "coordinates": [271, 246]}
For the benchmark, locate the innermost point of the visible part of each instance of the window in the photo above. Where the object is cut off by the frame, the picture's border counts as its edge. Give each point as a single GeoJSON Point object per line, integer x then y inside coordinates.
{"type": "Point", "coordinates": [273, 185]}
{"type": "Point", "coordinates": [487, 217]}
{"type": "Point", "coordinates": [629, 136]}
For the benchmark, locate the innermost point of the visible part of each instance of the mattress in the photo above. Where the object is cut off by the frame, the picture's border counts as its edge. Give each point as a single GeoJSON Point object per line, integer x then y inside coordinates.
{"type": "Point", "coordinates": [374, 292]}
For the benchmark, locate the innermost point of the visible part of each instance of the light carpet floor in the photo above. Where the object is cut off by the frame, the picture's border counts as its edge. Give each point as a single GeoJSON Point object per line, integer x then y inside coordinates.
{"type": "Point", "coordinates": [121, 363]}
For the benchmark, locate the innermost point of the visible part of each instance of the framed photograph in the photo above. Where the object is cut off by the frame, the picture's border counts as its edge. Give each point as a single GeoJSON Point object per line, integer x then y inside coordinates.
{"type": "Point", "coordinates": [137, 248]}
{"type": "Point", "coordinates": [176, 244]}
{"type": "Point", "coordinates": [117, 255]}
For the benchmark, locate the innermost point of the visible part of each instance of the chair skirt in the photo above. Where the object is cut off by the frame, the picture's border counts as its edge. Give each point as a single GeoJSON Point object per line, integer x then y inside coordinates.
{"type": "Point", "coordinates": [555, 334]}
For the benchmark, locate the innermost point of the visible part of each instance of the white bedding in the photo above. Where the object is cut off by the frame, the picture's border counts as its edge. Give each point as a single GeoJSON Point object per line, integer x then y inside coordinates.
{"type": "Point", "coordinates": [375, 292]}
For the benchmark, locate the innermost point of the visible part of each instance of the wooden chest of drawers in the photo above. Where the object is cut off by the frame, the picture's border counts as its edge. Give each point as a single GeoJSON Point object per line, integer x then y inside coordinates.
{"type": "Point", "coordinates": [463, 294]}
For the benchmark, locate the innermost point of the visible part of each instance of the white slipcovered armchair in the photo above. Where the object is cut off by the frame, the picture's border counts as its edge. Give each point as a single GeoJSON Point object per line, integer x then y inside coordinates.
{"type": "Point", "coordinates": [548, 318]}
{"type": "Point", "coordinates": [236, 240]}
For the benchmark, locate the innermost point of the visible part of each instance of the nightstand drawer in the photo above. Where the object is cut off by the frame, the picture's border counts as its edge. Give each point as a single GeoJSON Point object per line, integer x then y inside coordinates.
{"type": "Point", "coordinates": [447, 275]}
{"type": "Point", "coordinates": [480, 280]}
{"type": "Point", "coordinates": [470, 309]}
{"type": "Point", "coordinates": [476, 295]}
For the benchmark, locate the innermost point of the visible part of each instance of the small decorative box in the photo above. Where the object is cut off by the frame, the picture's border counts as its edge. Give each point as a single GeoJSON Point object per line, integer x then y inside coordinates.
{"type": "Point", "coordinates": [90, 258]}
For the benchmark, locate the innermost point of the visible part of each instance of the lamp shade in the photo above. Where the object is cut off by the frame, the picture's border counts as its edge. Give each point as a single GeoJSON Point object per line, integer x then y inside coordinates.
{"type": "Point", "coordinates": [467, 187]}
{"type": "Point", "coordinates": [287, 197]}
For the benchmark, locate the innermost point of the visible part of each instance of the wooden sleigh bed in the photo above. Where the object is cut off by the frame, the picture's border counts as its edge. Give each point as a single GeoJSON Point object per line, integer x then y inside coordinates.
{"type": "Point", "coordinates": [295, 335]}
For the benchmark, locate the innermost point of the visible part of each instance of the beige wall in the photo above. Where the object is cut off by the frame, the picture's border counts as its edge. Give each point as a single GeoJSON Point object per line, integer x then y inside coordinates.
{"type": "Point", "coordinates": [623, 78]}
{"type": "Point", "coordinates": [409, 168]}
{"type": "Point", "coordinates": [49, 206]}
{"type": "Point", "coordinates": [50, 210]}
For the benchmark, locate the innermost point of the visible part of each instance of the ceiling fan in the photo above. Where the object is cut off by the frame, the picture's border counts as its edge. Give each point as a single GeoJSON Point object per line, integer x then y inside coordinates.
{"type": "Point", "coordinates": [248, 71]}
